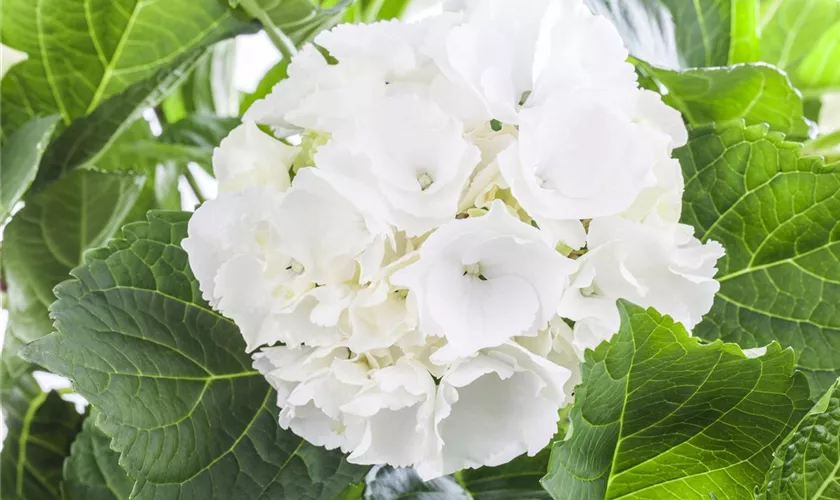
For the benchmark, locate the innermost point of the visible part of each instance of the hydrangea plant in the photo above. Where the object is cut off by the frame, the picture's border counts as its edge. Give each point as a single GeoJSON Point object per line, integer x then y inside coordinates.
{"type": "Point", "coordinates": [505, 250]}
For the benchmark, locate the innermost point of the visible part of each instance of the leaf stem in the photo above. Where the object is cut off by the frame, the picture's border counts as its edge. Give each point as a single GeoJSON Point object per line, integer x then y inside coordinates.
{"type": "Point", "coordinates": [191, 180]}
{"type": "Point", "coordinates": [275, 34]}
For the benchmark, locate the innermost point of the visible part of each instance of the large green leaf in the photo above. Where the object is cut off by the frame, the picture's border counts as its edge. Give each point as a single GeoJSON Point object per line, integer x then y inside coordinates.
{"type": "Point", "coordinates": [807, 462]}
{"type": "Point", "coordinates": [777, 214]}
{"type": "Point", "coordinates": [92, 471]}
{"type": "Point", "coordinates": [88, 139]}
{"type": "Point", "coordinates": [802, 37]}
{"type": "Point", "coordinates": [83, 52]}
{"type": "Point", "coordinates": [757, 93]}
{"type": "Point", "coordinates": [41, 427]}
{"type": "Point", "coordinates": [660, 415]}
{"type": "Point", "coordinates": [48, 237]}
{"type": "Point", "coordinates": [671, 33]}
{"type": "Point", "coordinates": [171, 379]}
{"type": "Point", "coordinates": [19, 162]}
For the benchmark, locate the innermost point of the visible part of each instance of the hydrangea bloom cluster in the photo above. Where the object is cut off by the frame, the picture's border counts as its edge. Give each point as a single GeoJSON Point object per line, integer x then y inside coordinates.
{"type": "Point", "coordinates": [441, 222]}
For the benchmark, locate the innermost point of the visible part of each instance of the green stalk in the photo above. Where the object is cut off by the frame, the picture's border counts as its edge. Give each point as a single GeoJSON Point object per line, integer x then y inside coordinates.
{"type": "Point", "coordinates": [283, 43]}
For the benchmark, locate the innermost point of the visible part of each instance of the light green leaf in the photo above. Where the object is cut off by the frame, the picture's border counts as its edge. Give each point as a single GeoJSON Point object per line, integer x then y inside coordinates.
{"type": "Point", "coordinates": [92, 472]}
{"type": "Point", "coordinates": [802, 37]}
{"type": "Point", "coordinates": [777, 214]}
{"type": "Point", "coordinates": [48, 237]}
{"type": "Point", "coordinates": [83, 52]}
{"type": "Point", "coordinates": [41, 427]}
{"type": "Point", "coordinates": [673, 33]}
{"type": "Point", "coordinates": [744, 46]}
{"type": "Point", "coordinates": [209, 89]}
{"type": "Point", "coordinates": [757, 93]}
{"type": "Point", "coordinates": [271, 78]}
{"type": "Point", "coordinates": [188, 421]}
{"type": "Point", "coordinates": [660, 415]}
{"type": "Point", "coordinates": [19, 161]}
{"type": "Point", "coordinates": [298, 20]}
{"type": "Point", "coordinates": [807, 463]}
{"type": "Point", "coordinates": [821, 68]}
{"type": "Point", "coordinates": [87, 139]}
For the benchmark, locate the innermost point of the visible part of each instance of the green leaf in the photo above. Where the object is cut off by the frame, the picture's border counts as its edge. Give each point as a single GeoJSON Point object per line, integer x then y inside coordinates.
{"type": "Point", "coordinates": [171, 379]}
{"type": "Point", "coordinates": [387, 9]}
{"type": "Point", "coordinates": [47, 238]}
{"type": "Point", "coordinates": [661, 415]}
{"type": "Point", "coordinates": [92, 472]}
{"type": "Point", "coordinates": [756, 93]}
{"type": "Point", "coordinates": [271, 78]}
{"type": "Point", "coordinates": [386, 483]}
{"type": "Point", "coordinates": [776, 214]}
{"type": "Point", "coordinates": [673, 33]}
{"type": "Point", "coordinates": [209, 88]}
{"type": "Point", "coordinates": [299, 20]}
{"type": "Point", "coordinates": [518, 479]}
{"type": "Point", "coordinates": [88, 139]}
{"type": "Point", "coordinates": [194, 138]}
{"type": "Point", "coordinates": [744, 46]}
{"type": "Point", "coordinates": [190, 140]}
{"type": "Point", "coordinates": [19, 162]}
{"type": "Point", "coordinates": [83, 52]}
{"type": "Point", "coordinates": [801, 37]}
{"type": "Point", "coordinates": [41, 427]}
{"type": "Point", "coordinates": [807, 463]}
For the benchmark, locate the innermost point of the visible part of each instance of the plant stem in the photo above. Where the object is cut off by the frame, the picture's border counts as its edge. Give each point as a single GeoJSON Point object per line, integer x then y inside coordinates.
{"type": "Point", "coordinates": [191, 180]}
{"type": "Point", "coordinates": [275, 34]}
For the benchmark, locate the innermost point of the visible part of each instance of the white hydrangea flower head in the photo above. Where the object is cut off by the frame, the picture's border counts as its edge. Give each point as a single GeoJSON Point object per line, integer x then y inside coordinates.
{"type": "Point", "coordinates": [480, 281]}
{"type": "Point", "coordinates": [440, 224]}
{"type": "Point", "coordinates": [664, 268]}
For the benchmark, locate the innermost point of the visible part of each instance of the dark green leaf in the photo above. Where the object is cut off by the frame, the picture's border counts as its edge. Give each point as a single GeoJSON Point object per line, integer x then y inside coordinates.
{"type": "Point", "coordinates": [41, 427]}
{"type": "Point", "coordinates": [673, 33]}
{"type": "Point", "coordinates": [48, 237]}
{"type": "Point", "coordinates": [21, 155]}
{"type": "Point", "coordinates": [170, 376]}
{"type": "Point", "coordinates": [757, 93]}
{"type": "Point", "coordinates": [92, 471]}
{"type": "Point", "coordinates": [807, 463]}
{"type": "Point", "coordinates": [801, 37]}
{"type": "Point", "coordinates": [518, 479]}
{"type": "Point", "coordinates": [388, 483]}
{"type": "Point", "coordinates": [660, 415]}
{"type": "Point", "coordinates": [777, 214]}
